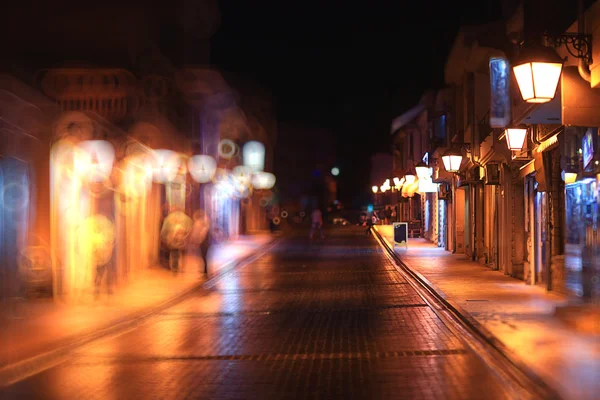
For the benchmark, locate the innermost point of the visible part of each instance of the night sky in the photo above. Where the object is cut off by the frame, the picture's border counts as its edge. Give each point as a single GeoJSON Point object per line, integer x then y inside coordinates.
{"type": "Point", "coordinates": [348, 67]}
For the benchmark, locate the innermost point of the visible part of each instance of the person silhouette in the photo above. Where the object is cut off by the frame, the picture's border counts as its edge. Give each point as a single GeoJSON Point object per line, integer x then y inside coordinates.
{"type": "Point", "coordinates": [316, 223]}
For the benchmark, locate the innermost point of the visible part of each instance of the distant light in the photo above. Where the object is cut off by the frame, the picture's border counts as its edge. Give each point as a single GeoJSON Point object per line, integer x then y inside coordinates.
{"type": "Point", "coordinates": [370, 208]}
{"type": "Point", "coordinates": [335, 202]}
{"type": "Point", "coordinates": [374, 189]}
{"type": "Point", "coordinates": [335, 171]}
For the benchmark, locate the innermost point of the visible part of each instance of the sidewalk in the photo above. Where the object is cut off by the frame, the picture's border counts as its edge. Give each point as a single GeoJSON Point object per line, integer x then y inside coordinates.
{"type": "Point", "coordinates": [521, 316]}
{"type": "Point", "coordinates": [44, 326]}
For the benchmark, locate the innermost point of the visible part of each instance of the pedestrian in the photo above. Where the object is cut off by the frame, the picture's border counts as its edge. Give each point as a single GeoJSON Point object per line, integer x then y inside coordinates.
{"type": "Point", "coordinates": [369, 225]}
{"type": "Point", "coordinates": [388, 215]}
{"type": "Point", "coordinates": [317, 223]}
{"type": "Point", "coordinates": [199, 238]}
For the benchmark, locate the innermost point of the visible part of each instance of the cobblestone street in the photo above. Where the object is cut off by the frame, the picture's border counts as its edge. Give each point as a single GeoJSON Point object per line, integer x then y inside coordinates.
{"type": "Point", "coordinates": [322, 319]}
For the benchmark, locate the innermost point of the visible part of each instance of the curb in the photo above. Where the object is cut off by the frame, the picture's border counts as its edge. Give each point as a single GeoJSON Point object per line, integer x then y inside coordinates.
{"type": "Point", "coordinates": [20, 370]}
{"type": "Point", "coordinates": [503, 354]}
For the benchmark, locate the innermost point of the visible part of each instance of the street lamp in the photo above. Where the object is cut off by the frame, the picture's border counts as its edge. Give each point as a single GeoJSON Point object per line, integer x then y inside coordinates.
{"type": "Point", "coordinates": [166, 165]}
{"type": "Point", "coordinates": [253, 154]}
{"type": "Point", "coordinates": [515, 137]}
{"type": "Point", "coordinates": [452, 159]}
{"type": "Point", "coordinates": [374, 189]}
{"type": "Point", "coordinates": [202, 168]}
{"type": "Point", "coordinates": [537, 72]}
{"type": "Point", "coordinates": [335, 171]}
{"type": "Point", "coordinates": [263, 180]}
{"type": "Point", "coordinates": [538, 68]}
{"type": "Point", "coordinates": [422, 169]}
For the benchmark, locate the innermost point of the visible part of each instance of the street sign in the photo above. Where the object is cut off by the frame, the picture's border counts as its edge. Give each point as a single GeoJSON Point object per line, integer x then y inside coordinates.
{"type": "Point", "coordinates": [401, 234]}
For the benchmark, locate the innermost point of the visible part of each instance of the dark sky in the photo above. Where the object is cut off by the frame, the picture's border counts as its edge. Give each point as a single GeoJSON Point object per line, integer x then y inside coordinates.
{"type": "Point", "coordinates": [349, 67]}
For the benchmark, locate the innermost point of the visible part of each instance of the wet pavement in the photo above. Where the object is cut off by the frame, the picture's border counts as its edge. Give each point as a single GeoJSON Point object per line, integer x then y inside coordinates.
{"type": "Point", "coordinates": [322, 319]}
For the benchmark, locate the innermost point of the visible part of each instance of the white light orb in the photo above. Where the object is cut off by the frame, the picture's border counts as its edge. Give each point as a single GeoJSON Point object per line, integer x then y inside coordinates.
{"type": "Point", "coordinates": [253, 154]}
{"type": "Point", "coordinates": [202, 168]}
{"type": "Point", "coordinates": [94, 160]}
{"type": "Point", "coordinates": [263, 180]}
{"type": "Point", "coordinates": [166, 165]}
{"type": "Point", "coordinates": [242, 175]}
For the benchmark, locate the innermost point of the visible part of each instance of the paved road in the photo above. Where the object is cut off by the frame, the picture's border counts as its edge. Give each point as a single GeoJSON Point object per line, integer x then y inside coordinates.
{"type": "Point", "coordinates": [325, 320]}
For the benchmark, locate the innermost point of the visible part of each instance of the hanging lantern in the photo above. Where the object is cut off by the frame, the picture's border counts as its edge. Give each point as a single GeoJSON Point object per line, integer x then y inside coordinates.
{"type": "Point", "coordinates": [253, 154]}
{"type": "Point", "coordinates": [452, 159]}
{"type": "Point", "coordinates": [422, 170]}
{"type": "Point", "coordinates": [263, 180]}
{"type": "Point", "coordinates": [94, 160]}
{"type": "Point", "coordinates": [242, 175]}
{"type": "Point", "coordinates": [537, 73]}
{"type": "Point", "coordinates": [202, 168]}
{"type": "Point", "coordinates": [569, 177]}
{"type": "Point", "coordinates": [374, 189]}
{"type": "Point", "coordinates": [166, 165]}
{"type": "Point", "coordinates": [515, 138]}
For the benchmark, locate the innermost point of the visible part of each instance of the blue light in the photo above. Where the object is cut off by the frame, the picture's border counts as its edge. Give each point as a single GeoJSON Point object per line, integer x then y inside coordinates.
{"type": "Point", "coordinates": [370, 208]}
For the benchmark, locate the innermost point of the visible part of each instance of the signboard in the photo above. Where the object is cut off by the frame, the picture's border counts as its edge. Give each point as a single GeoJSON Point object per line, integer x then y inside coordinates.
{"type": "Point", "coordinates": [401, 233]}
{"type": "Point", "coordinates": [500, 93]}
{"type": "Point", "coordinates": [587, 147]}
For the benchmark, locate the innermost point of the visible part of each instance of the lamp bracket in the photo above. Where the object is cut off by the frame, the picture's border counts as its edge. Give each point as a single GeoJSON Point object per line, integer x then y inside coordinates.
{"type": "Point", "coordinates": [578, 45]}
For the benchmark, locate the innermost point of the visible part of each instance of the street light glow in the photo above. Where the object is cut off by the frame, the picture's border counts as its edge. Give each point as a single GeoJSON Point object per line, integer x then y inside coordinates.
{"type": "Point", "coordinates": [515, 138]}
{"type": "Point", "coordinates": [335, 171]}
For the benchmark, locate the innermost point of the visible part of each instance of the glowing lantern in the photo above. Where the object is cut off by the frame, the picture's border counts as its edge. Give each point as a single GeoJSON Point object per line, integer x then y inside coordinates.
{"type": "Point", "coordinates": [94, 161]}
{"type": "Point", "coordinates": [242, 175]}
{"type": "Point", "coordinates": [569, 177]}
{"type": "Point", "coordinates": [374, 189]}
{"type": "Point", "coordinates": [422, 170]}
{"type": "Point", "coordinates": [166, 165]}
{"type": "Point", "coordinates": [515, 138]}
{"type": "Point", "coordinates": [452, 159]}
{"type": "Point", "coordinates": [537, 74]}
{"type": "Point", "coordinates": [263, 180]}
{"type": "Point", "coordinates": [202, 168]}
{"type": "Point", "coordinates": [253, 154]}
{"type": "Point", "coordinates": [396, 181]}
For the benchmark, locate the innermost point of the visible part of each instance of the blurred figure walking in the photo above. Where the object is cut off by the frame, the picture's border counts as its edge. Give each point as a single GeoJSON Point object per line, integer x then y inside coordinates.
{"type": "Point", "coordinates": [317, 223]}
{"type": "Point", "coordinates": [199, 238]}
